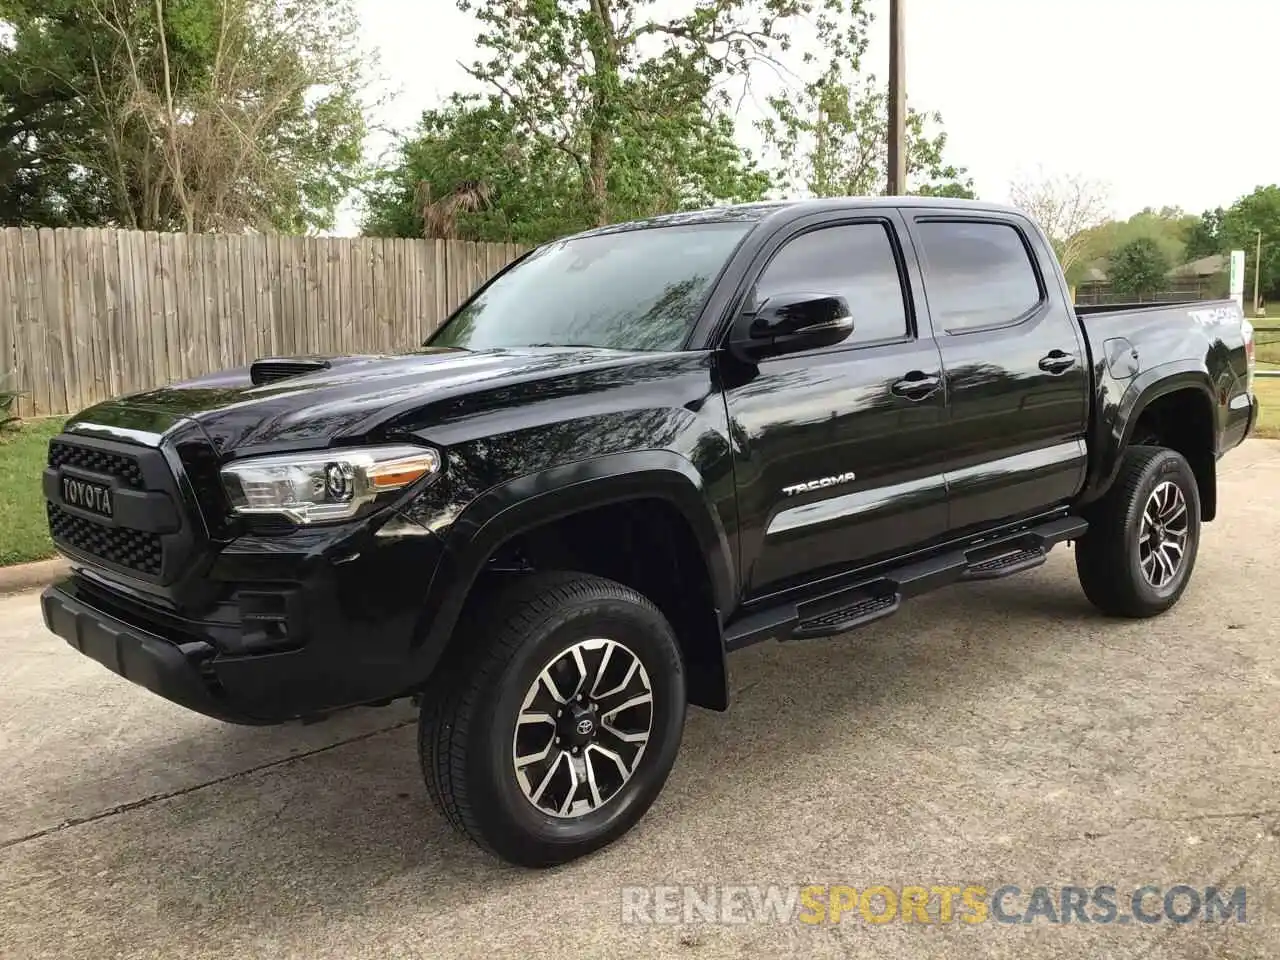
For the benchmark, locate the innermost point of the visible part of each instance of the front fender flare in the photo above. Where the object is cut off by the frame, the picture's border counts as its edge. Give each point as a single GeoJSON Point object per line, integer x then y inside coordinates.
{"type": "Point", "coordinates": [521, 504]}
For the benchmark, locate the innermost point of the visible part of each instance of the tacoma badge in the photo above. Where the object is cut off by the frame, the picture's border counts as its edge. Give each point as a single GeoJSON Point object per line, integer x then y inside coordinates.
{"type": "Point", "coordinates": [818, 484]}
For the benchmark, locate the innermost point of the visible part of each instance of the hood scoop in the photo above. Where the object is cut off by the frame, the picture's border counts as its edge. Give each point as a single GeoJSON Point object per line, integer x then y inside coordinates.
{"type": "Point", "coordinates": [271, 370]}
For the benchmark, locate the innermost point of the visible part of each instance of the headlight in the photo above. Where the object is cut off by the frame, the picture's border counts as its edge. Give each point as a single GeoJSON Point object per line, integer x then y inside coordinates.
{"type": "Point", "coordinates": [326, 485]}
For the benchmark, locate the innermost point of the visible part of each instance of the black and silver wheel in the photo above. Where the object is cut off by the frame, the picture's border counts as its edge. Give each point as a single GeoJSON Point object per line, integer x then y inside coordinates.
{"type": "Point", "coordinates": [555, 725]}
{"type": "Point", "coordinates": [583, 727]}
{"type": "Point", "coordinates": [1137, 557]}
{"type": "Point", "coordinates": [1163, 534]}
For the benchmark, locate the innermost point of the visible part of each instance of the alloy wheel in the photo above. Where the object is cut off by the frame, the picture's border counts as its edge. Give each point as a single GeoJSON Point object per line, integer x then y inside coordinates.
{"type": "Point", "coordinates": [1163, 533]}
{"type": "Point", "coordinates": [583, 728]}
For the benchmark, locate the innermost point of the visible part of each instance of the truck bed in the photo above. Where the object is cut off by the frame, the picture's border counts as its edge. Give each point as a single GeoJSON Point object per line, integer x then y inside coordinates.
{"type": "Point", "coordinates": [1098, 308]}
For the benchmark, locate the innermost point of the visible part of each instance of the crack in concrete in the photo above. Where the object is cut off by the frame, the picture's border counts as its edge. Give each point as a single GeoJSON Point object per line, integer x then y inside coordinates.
{"type": "Point", "coordinates": [1164, 934]}
{"type": "Point", "coordinates": [157, 797]}
{"type": "Point", "coordinates": [1189, 818]}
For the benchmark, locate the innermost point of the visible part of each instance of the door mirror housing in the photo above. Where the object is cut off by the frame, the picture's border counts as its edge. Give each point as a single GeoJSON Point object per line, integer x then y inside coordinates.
{"type": "Point", "coordinates": [791, 323]}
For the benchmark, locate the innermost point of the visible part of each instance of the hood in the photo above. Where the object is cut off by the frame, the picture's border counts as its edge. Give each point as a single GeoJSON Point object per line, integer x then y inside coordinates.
{"type": "Point", "coordinates": [318, 400]}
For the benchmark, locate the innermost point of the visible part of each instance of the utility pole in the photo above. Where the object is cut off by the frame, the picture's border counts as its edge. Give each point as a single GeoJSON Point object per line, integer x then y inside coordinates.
{"type": "Point", "coordinates": [1257, 272]}
{"type": "Point", "coordinates": [820, 154]}
{"type": "Point", "coordinates": [897, 101]}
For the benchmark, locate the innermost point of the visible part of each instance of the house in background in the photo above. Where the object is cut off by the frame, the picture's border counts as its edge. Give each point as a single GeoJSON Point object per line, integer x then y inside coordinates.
{"type": "Point", "coordinates": [1202, 279]}
{"type": "Point", "coordinates": [1219, 264]}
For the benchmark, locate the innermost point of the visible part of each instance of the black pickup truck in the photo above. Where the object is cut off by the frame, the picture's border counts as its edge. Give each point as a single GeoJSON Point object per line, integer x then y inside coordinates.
{"type": "Point", "coordinates": [631, 452]}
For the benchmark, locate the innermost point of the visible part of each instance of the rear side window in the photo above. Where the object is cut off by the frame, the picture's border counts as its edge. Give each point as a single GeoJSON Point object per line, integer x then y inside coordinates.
{"type": "Point", "coordinates": [855, 261]}
{"type": "Point", "coordinates": [976, 274]}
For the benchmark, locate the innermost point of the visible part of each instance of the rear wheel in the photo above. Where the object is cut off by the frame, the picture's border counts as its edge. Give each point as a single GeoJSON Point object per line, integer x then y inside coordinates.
{"type": "Point", "coordinates": [1138, 555]}
{"type": "Point", "coordinates": [556, 725]}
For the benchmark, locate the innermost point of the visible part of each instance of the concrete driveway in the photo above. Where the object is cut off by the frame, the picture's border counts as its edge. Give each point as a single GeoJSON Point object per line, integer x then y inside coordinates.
{"type": "Point", "coordinates": [1000, 734]}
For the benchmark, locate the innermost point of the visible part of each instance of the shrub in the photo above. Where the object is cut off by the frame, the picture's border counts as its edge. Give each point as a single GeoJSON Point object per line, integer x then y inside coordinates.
{"type": "Point", "coordinates": [8, 401]}
{"type": "Point", "coordinates": [1139, 267]}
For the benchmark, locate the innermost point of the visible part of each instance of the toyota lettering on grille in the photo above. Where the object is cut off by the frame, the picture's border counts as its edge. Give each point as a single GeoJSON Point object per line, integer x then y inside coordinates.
{"type": "Point", "coordinates": [93, 497]}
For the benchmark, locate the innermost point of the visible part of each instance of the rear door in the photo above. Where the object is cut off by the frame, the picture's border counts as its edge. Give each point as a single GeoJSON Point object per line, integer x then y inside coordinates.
{"type": "Point", "coordinates": [838, 452]}
{"type": "Point", "coordinates": [1016, 365]}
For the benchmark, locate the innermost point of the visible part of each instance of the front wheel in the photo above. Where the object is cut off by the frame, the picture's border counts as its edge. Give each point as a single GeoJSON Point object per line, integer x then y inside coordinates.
{"type": "Point", "coordinates": [558, 721]}
{"type": "Point", "coordinates": [1137, 557]}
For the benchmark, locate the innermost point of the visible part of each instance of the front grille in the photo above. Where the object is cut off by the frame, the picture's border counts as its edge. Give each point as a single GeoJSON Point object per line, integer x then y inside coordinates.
{"type": "Point", "coordinates": [133, 549]}
{"type": "Point", "coordinates": [200, 461]}
{"type": "Point", "coordinates": [127, 469]}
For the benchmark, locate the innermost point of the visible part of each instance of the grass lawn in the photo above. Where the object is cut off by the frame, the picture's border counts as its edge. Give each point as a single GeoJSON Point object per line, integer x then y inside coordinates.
{"type": "Point", "coordinates": [1267, 351]}
{"type": "Point", "coordinates": [23, 527]}
{"type": "Point", "coordinates": [1268, 392]}
{"type": "Point", "coordinates": [1267, 348]}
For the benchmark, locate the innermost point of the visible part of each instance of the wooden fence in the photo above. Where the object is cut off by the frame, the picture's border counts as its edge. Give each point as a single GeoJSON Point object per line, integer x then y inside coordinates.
{"type": "Point", "coordinates": [88, 314]}
{"type": "Point", "coordinates": [1093, 292]}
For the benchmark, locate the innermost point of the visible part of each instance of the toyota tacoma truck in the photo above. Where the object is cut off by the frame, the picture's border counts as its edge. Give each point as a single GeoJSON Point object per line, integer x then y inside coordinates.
{"type": "Point", "coordinates": [630, 453]}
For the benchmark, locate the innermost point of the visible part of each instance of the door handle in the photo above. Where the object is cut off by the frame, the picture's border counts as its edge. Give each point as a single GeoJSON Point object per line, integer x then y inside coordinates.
{"type": "Point", "coordinates": [916, 385]}
{"type": "Point", "coordinates": [1057, 361]}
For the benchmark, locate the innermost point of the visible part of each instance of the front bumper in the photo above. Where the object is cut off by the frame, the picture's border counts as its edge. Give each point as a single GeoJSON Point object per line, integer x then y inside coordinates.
{"type": "Point", "coordinates": [172, 670]}
{"type": "Point", "coordinates": [249, 623]}
{"type": "Point", "coordinates": [283, 636]}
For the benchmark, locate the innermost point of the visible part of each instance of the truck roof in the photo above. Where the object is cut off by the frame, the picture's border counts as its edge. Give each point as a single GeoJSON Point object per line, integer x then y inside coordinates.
{"type": "Point", "coordinates": [763, 209]}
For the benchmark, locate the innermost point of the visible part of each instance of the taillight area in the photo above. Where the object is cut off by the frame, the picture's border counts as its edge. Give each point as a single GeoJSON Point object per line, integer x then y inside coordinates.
{"type": "Point", "coordinates": [1251, 364]}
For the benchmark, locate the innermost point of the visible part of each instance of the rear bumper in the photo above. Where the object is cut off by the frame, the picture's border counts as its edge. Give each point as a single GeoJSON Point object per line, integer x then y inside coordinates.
{"type": "Point", "coordinates": [1241, 420]}
{"type": "Point", "coordinates": [169, 669]}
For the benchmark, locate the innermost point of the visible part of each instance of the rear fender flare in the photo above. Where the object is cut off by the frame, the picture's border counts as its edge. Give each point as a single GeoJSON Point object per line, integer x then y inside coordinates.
{"type": "Point", "coordinates": [1116, 431]}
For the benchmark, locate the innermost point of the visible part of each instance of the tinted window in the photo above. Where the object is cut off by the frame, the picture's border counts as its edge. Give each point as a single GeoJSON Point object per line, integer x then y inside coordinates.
{"type": "Point", "coordinates": [633, 290]}
{"type": "Point", "coordinates": [976, 274]}
{"type": "Point", "coordinates": [854, 261]}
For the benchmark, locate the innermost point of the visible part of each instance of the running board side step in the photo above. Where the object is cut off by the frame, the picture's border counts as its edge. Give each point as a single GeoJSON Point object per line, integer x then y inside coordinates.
{"type": "Point", "coordinates": [1006, 564]}
{"type": "Point", "coordinates": [1007, 557]}
{"type": "Point", "coordinates": [843, 619]}
{"type": "Point", "coordinates": [880, 596]}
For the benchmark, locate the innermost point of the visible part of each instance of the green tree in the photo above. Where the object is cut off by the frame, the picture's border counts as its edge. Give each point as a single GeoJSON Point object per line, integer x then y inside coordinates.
{"type": "Point", "coordinates": [636, 98]}
{"type": "Point", "coordinates": [1138, 268]}
{"type": "Point", "coordinates": [956, 189]}
{"type": "Point", "coordinates": [466, 172]}
{"type": "Point", "coordinates": [1204, 236]}
{"type": "Point", "coordinates": [1169, 228]}
{"type": "Point", "coordinates": [1240, 226]}
{"type": "Point", "coordinates": [179, 114]}
{"type": "Point", "coordinates": [834, 141]}
{"type": "Point", "coordinates": [43, 68]}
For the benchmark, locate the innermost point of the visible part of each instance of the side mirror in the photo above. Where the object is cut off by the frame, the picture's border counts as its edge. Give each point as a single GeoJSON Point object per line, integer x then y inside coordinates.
{"type": "Point", "coordinates": [791, 323]}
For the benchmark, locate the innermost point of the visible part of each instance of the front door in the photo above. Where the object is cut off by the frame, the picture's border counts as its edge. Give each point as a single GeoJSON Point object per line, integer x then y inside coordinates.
{"type": "Point", "coordinates": [1017, 369]}
{"type": "Point", "coordinates": [836, 453]}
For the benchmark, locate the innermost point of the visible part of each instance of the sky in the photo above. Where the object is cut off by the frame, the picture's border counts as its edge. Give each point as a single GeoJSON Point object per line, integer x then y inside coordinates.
{"type": "Point", "coordinates": [1156, 99]}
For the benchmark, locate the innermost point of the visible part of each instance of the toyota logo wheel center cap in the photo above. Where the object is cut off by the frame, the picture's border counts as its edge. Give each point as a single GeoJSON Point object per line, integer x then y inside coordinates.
{"type": "Point", "coordinates": [577, 723]}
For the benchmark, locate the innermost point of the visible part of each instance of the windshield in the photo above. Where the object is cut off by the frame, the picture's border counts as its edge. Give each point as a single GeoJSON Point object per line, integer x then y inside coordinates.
{"type": "Point", "coordinates": [634, 290]}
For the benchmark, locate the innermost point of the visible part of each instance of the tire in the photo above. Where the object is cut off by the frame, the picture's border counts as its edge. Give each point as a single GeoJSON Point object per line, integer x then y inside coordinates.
{"type": "Point", "coordinates": [519, 644]}
{"type": "Point", "coordinates": [1116, 560]}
